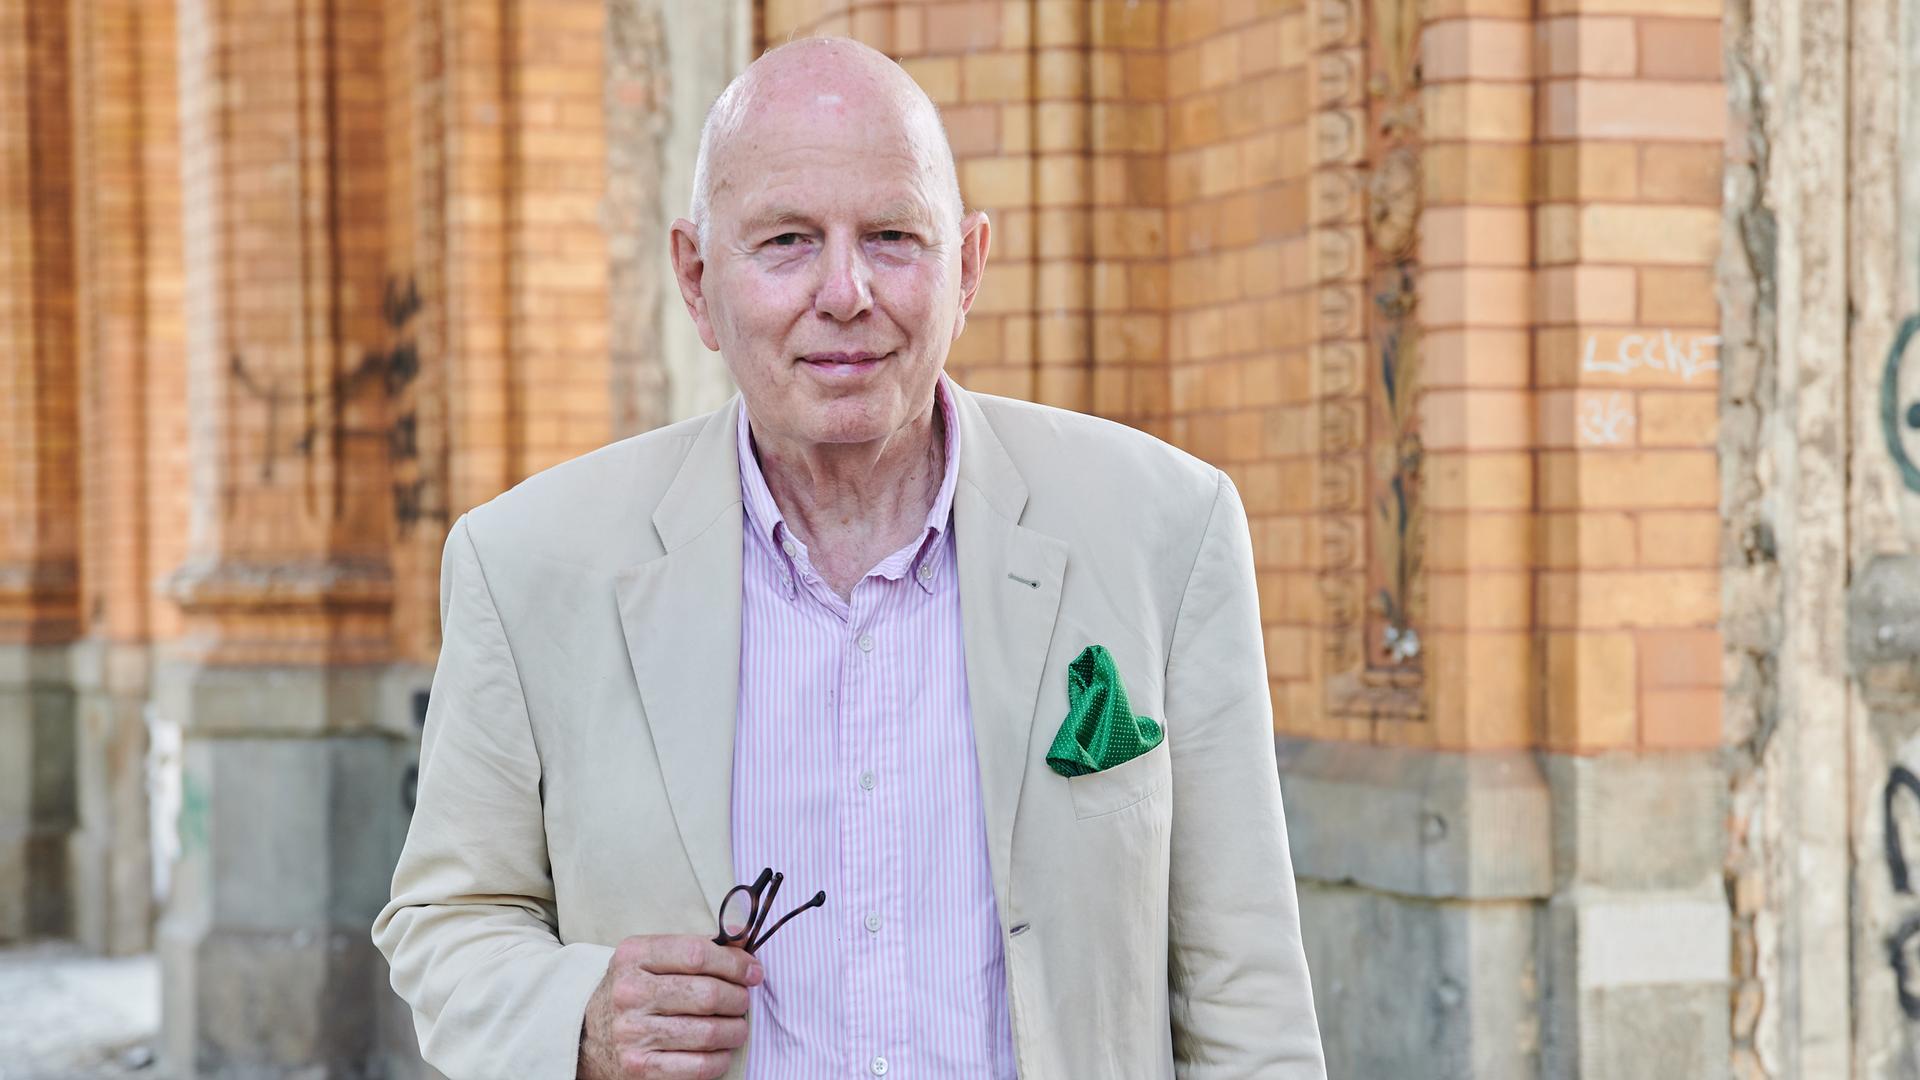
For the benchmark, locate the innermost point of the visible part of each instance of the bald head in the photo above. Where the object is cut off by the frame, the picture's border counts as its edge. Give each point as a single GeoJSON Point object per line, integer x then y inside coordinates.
{"type": "Point", "coordinates": [803, 82]}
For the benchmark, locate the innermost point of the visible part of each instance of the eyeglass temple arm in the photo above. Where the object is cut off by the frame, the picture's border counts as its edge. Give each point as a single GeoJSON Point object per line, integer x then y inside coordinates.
{"type": "Point", "coordinates": [763, 906]}
{"type": "Point", "coordinates": [819, 898]}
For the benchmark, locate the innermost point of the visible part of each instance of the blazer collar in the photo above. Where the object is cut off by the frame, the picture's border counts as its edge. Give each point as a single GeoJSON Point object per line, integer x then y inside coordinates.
{"type": "Point", "coordinates": [708, 481]}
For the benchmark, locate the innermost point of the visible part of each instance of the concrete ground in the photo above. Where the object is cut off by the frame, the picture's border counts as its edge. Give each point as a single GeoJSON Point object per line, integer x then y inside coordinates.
{"type": "Point", "coordinates": [65, 1015]}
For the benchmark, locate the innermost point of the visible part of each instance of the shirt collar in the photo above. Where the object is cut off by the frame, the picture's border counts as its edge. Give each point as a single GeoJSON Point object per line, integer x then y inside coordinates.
{"type": "Point", "coordinates": [763, 514]}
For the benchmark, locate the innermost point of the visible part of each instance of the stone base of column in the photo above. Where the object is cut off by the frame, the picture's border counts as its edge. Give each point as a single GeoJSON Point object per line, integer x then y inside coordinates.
{"type": "Point", "coordinates": [37, 790]}
{"type": "Point", "coordinates": [293, 810]}
{"type": "Point", "coordinates": [1421, 876]}
{"type": "Point", "coordinates": [1509, 915]}
{"type": "Point", "coordinates": [110, 861]}
{"type": "Point", "coordinates": [1637, 936]}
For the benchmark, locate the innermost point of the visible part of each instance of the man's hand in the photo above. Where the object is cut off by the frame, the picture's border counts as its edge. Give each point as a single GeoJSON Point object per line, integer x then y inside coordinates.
{"type": "Point", "coordinates": [670, 1007]}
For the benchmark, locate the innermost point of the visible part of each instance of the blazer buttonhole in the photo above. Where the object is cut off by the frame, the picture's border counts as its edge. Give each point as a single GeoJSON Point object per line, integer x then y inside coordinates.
{"type": "Point", "coordinates": [1018, 929]}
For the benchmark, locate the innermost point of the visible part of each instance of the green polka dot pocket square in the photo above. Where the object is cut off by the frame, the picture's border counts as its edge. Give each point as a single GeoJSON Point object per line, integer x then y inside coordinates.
{"type": "Point", "coordinates": [1100, 730]}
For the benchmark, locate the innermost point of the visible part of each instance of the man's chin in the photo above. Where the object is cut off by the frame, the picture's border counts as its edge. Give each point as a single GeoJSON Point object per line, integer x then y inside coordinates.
{"type": "Point", "coordinates": [854, 419]}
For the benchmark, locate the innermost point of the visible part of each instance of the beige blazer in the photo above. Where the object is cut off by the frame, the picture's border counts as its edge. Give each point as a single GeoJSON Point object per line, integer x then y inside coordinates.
{"type": "Point", "coordinates": [577, 757]}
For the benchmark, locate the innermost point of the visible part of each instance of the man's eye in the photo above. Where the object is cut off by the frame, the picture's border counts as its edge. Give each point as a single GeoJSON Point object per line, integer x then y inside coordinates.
{"type": "Point", "coordinates": [786, 239]}
{"type": "Point", "coordinates": [890, 236]}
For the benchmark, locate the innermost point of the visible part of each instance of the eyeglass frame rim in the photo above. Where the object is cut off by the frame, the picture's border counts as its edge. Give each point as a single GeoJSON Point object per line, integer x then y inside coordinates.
{"type": "Point", "coordinates": [750, 939]}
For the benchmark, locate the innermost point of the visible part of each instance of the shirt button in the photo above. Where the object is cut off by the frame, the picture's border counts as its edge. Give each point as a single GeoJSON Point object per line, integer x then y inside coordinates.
{"type": "Point", "coordinates": [866, 642]}
{"type": "Point", "coordinates": [866, 781]}
{"type": "Point", "coordinates": [879, 1066]}
{"type": "Point", "coordinates": [873, 924]}
{"type": "Point", "coordinates": [926, 571]}
{"type": "Point", "coordinates": [792, 551]}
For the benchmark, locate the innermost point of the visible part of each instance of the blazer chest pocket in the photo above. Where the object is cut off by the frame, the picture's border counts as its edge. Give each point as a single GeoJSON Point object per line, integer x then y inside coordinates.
{"type": "Point", "coordinates": [1125, 784]}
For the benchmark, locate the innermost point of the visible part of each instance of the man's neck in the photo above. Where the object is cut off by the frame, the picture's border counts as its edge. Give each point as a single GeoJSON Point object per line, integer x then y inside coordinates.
{"type": "Point", "coordinates": [854, 504]}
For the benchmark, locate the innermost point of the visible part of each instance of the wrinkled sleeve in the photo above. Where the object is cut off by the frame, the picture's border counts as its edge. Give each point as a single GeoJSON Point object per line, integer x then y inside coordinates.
{"type": "Point", "coordinates": [470, 931]}
{"type": "Point", "coordinates": [1241, 1002]}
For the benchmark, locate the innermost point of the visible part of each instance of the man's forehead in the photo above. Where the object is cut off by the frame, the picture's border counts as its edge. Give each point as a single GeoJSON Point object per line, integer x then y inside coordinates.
{"type": "Point", "coordinates": [794, 143]}
{"type": "Point", "coordinates": [797, 206]}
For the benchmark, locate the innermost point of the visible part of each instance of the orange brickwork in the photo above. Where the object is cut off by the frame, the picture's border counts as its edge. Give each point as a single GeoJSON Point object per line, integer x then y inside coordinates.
{"type": "Point", "coordinates": [39, 388]}
{"type": "Point", "coordinates": [1431, 282]}
{"type": "Point", "coordinates": [1632, 127]}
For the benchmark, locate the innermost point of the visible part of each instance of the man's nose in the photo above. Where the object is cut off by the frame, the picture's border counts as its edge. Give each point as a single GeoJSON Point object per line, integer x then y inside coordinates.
{"type": "Point", "coordinates": [846, 282]}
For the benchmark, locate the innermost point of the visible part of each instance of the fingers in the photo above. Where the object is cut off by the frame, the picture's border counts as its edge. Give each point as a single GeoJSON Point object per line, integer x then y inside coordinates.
{"type": "Point", "coordinates": [691, 1034]}
{"type": "Point", "coordinates": [675, 1064]}
{"type": "Point", "coordinates": [679, 995]}
{"type": "Point", "coordinates": [683, 955]}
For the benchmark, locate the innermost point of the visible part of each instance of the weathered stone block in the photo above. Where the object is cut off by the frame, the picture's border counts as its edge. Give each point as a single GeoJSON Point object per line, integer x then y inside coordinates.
{"type": "Point", "coordinates": [37, 790]}
{"type": "Point", "coordinates": [288, 838]}
{"type": "Point", "coordinates": [110, 868]}
{"type": "Point", "coordinates": [1469, 826]}
{"type": "Point", "coordinates": [1607, 810]}
{"type": "Point", "coordinates": [1417, 990]}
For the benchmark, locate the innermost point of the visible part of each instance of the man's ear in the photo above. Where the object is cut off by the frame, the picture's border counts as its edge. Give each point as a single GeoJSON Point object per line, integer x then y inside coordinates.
{"type": "Point", "coordinates": [689, 270]}
{"type": "Point", "coordinates": [975, 234]}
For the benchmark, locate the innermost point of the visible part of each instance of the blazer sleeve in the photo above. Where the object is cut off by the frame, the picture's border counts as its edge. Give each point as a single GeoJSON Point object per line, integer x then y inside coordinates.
{"type": "Point", "coordinates": [471, 930]}
{"type": "Point", "coordinates": [1240, 1000]}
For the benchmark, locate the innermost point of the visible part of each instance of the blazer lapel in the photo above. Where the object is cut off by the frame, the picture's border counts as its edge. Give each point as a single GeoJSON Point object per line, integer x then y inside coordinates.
{"type": "Point", "coordinates": [1010, 585]}
{"type": "Point", "coordinates": [681, 615]}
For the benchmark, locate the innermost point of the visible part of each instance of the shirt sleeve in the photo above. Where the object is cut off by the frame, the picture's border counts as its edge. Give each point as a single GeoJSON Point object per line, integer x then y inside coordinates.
{"type": "Point", "coordinates": [471, 930]}
{"type": "Point", "coordinates": [1240, 999]}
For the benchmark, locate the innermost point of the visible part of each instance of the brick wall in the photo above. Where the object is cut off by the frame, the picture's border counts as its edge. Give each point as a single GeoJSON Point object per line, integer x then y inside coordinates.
{"type": "Point", "coordinates": [1631, 124]}
{"type": "Point", "coordinates": [1220, 221]}
{"type": "Point", "coordinates": [39, 451]}
{"type": "Point", "coordinates": [1212, 220]}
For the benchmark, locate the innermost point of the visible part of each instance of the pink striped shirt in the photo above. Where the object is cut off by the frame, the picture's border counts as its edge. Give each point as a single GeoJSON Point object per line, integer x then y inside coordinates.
{"type": "Point", "coordinates": [854, 772]}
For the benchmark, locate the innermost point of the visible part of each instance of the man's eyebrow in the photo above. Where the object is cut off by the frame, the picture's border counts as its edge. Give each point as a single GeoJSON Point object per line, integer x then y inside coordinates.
{"type": "Point", "coordinates": [900, 213]}
{"type": "Point", "coordinates": [775, 215]}
{"type": "Point", "coordinates": [890, 216]}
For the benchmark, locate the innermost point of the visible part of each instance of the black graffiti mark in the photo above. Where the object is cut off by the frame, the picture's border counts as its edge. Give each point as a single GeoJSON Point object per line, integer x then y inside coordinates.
{"type": "Point", "coordinates": [410, 781]}
{"type": "Point", "coordinates": [400, 303]}
{"type": "Point", "coordinates": [1897, 868]}
{"type": "Point", "coordinates": [402, 367]}
{"type": "Point", "coordinates": [273, 399]}
{"type": "Point", "coordinates": [410, 505]}
{"type": "Point", "coordinates": [1902, 952]}
{"type": "Point", "coordinates": [403, 442]}
{"type": "Point", "coordinates": [1904, 967]}
{"type": "Point", "coordinates": [399, 366]}
{"type": "Point", "coordinates": [392, 371]}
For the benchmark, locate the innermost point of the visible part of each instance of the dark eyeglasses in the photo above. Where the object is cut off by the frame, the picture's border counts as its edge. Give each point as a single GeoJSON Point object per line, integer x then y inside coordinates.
{"type": "Point", "coordinates": [744, 910]}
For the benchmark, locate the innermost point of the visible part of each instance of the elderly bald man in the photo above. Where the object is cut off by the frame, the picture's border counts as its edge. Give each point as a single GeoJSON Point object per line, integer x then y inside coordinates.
{"type": "Point", "coordinates": [982, 682]}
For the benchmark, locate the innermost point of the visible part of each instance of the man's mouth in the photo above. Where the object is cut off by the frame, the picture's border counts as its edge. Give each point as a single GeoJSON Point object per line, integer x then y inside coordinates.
{"type": "Point", "coordinates": [843, 364]}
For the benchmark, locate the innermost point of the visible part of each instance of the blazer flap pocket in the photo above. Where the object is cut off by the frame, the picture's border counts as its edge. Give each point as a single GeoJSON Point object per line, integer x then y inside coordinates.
{"type": "Point", "coordinates": [1123, 785]}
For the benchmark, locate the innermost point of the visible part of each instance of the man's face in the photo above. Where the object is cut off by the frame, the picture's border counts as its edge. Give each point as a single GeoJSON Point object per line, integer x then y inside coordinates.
{"type": "Point", "coordinates": [834, 279]}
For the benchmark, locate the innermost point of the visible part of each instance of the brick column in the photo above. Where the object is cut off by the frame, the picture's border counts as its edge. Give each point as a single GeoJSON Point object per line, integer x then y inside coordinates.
{"type": "Point", "coordinates": [111, 865]}
{"type": "Point", "coordinates": [1476, 302]}
{"type": "Point", "coordinates": [291, 815]}
{"type": "Point", "coordinates": [39, 481]}
{"type": "Point", "coordinates": [1632, 124]}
